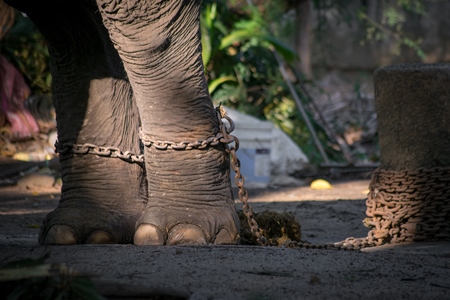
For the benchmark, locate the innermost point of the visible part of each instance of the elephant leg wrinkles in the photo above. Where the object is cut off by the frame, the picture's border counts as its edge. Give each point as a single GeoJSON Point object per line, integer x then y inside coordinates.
{"type": "Point", "coordinates": [157, 44]}
{"type": "Point", "coordinates": [190, 199]}
{"type": "Point", "coordinates": [191, 188]}
{"type": "Point", "coordinates": [95, 206]}
{"type": "Point", "coordinates": [101, 197]}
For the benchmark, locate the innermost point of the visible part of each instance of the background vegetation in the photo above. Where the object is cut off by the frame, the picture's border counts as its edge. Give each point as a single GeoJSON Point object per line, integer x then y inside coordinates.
{"type": "Point", "coordinates": [239, 40]}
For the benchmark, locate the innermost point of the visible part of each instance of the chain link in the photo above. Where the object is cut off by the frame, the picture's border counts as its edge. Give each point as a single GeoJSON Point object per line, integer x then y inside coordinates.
{"type": "Point", "coordinates": [223, 136]}
{"type": "Point", "coordinates": [405, 206]}
{"type": "Point", "coordinates": [402, 206]}
{"type": "Point", "coordinates": [238, 178]}
{"type": "Point", "coordinates": [184, 145]}
{"type": "Point", "coordinates": [114, 152]}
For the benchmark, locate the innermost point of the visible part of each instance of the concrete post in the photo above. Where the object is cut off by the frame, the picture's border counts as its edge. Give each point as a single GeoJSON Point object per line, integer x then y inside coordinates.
{"type": "Point", "coordinates": [413, 109]}
{"type": "Point", "coordinates": [409, 197]}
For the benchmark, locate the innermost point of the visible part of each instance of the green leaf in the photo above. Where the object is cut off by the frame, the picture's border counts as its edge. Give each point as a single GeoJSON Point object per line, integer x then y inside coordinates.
{"type": "Point", "coordinates": [212, 14]}
{"type": "Point", "coordinates": [216, 82]}
{"type": "Point", "coordinates": [235, 36]}
{"type": "Point", "coordinates": [221, 27]}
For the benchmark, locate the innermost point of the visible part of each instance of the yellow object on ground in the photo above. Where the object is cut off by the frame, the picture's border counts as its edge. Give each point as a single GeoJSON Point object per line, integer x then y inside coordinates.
{"type": "Point", "coordinates": [32, 156]}
{"type": "Point", "coordinates": [320, 184]}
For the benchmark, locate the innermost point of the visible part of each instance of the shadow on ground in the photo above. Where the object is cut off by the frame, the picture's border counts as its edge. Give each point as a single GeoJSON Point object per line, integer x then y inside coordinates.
{"type": "Point", "coordinates": [242, 272]}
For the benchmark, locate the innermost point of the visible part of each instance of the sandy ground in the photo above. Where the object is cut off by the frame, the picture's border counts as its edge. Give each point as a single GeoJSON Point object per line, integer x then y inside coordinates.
{"type": "Point", "coordinates": [408, 271]}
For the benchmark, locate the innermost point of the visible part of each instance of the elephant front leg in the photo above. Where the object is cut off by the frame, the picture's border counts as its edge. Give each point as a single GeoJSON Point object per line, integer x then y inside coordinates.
{"type": "Point", "coordinates": [102, 197]}
{"type": "Point", "coordinates": [190, 198]}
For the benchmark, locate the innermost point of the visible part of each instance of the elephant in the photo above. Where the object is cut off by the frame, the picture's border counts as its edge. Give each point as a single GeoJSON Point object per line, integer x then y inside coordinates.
{"type": "Point", "coordinates": [126, 76]}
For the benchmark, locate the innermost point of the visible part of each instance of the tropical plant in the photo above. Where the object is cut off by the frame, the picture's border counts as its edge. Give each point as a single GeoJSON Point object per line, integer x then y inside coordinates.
{"type": "Point", "coordinates": [237, 49]}
{"type": "Point", "coordinates": [238, 54]}
{"type": "Point", "coordinates": [241, 70]}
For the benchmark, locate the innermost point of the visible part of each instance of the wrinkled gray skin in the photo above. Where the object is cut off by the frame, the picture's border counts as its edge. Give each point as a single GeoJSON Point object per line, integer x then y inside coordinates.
{"type": "Point", "coordinates": [117, 66]}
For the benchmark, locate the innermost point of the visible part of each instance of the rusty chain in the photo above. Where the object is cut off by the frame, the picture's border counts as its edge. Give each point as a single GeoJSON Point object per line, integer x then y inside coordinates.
{"type": "Point", "coordinates": [405, 206]}
{"type": "Point", "coordinates": [184, 145]}
{"type": "Point", "coordinates": [402, 206]}
{"type": "Point", "coordinates": [223, 137]}
{"type": "Point", "coordinates": [114, 152]}
{"type": "Point", "coordinates": [238, 178]}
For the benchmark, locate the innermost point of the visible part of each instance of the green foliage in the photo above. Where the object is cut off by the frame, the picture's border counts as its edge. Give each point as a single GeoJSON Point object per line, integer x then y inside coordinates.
{"type": "Point", "coordinates": [237, 54]}
{"type": "Point", "coordinates": [25, 47]}
{"type": "Point", "coordinates": [243, 73]}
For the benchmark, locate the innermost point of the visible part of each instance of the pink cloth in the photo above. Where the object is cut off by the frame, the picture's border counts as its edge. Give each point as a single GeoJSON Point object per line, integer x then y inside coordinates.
{"type": "Point", "coordinates": [13, 93]}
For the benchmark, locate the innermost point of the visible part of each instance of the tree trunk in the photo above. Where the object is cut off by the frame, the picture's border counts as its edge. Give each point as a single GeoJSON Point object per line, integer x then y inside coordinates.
{"type": "Point", "coordinates": [303, 36]}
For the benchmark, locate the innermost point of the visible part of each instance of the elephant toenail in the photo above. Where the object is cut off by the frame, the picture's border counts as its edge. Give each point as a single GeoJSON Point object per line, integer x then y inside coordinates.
{"type": "Point", "coordinates": [147, 234]}
{"type": "Point", "coordinates": [61, 235]}
{"type": "Point", "coordinates": [224, 237]}
{"type": "Point", "coordinates": [99, 237]}
{"type": "Point", "coordinates": [186, 234]}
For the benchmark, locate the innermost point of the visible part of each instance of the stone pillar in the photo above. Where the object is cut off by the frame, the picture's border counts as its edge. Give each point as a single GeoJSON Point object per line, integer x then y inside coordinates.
{"type": "Point", "coordinates": [413, 109]}
{"type": "Point", "coordinates": [409, 197]}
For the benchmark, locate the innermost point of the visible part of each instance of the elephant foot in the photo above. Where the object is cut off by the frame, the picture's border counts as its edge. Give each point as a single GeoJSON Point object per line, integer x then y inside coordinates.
{"type": "Point", "coordinates": [69, 226]}
{"type": "Point", "coordinates": [61, 235]}
{"type": "Point", "coordinates": [66, 235]}
{"type": "Point", "coordinates": [190, 199]}
{"type": "Point", "coordinates": [95, 209]}
{"type": "Point", "coordinates": [147, 234]}
{"type": "Point", "coordinates": [194, 230]}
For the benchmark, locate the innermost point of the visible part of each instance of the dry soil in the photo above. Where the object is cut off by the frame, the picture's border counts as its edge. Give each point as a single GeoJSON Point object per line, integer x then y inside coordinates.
{"type": "Point", "coordinates": [406, 271]}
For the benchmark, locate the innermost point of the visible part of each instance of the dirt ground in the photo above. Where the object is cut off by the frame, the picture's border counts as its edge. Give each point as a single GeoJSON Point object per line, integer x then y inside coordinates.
{"type": "Point", "coordinates": [408, 271]}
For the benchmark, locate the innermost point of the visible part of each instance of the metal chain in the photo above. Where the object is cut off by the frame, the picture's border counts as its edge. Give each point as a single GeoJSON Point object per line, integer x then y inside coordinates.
{"type": "Point", "coordinates": [184, 145]}
{"type": "Point", "coordinates": [114, 152]}
{"type": "Point", "coordinates": [228, 139]}
{"type": "Point", "coordinates": [404, 206]}
{"type": "Point", "coordinates": [306, 245]}
{"type": "Point", "coordinates": [401, 206]}
{"type": "Point", "coordinates": [223, 136]}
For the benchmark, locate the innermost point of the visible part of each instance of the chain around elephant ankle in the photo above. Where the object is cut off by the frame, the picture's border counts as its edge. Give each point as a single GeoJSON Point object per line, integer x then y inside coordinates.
{"type": "Point", "coordinates": [232, 145]}
{"type": "Point", "coordinates": [223, 137]}
{"type": "Point", "coordinates": [114, 152]}
{"type": "Point", "coordinates": [238, 178]}
{"type": "Point", "coordinates": [148, 141]}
